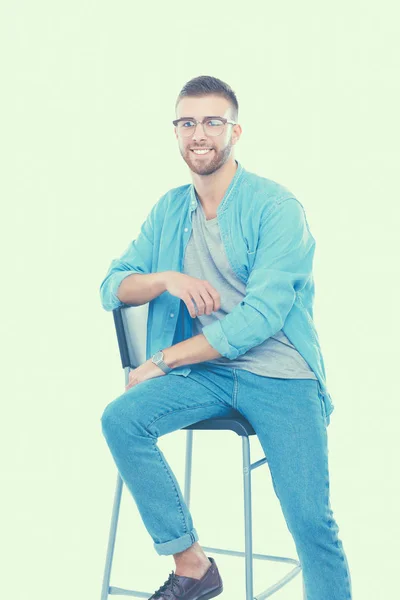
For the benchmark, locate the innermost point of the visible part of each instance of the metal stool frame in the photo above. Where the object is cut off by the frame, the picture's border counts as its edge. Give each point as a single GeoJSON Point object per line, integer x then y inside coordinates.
{"type": "Point", "coordinates": [242, 428]}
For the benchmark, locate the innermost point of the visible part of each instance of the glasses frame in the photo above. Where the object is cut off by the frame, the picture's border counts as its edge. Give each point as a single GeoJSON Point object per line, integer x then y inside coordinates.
{"type": "Point", "coordinates": [225, 121]}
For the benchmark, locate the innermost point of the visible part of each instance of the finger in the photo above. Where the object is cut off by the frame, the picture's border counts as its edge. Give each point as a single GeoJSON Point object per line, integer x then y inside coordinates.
{"type": "Point", "coordinates": [130, 384]}
{"type": "Point", "coordinates": [189, 304]}
{"type": "Point", "coordinates": [214, 295]}
{"type": "Point", "coordinates": [208, 301]}
{"type": "Point", "coordinates": [199, 303]}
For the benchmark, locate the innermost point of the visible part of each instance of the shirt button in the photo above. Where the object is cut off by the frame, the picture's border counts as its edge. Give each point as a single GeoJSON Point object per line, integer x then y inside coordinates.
{"type": "Point", "coordinates": [172, 315]}
{"type": "Point", "coordinates": [186, 229]}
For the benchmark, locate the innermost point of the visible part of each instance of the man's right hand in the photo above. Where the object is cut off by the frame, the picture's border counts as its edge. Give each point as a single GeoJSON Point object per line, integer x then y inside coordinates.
{"type": "Point", "coordinates": [191, 289]}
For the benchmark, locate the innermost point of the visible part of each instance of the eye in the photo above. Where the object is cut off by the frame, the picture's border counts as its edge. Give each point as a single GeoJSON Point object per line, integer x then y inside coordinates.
{"type": "Point", "coordinates": [183, 123]}
{"type": "Point", "coordinates": [215, 122]}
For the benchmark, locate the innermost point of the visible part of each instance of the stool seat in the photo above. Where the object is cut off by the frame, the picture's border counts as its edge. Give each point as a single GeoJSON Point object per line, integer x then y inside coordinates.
{"type": "Point", "coordinates": [238, 424]}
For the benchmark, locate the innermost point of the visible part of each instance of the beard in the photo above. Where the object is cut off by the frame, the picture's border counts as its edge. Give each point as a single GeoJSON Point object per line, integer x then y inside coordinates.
{"type": "Point", "coordinates": [208, 164]}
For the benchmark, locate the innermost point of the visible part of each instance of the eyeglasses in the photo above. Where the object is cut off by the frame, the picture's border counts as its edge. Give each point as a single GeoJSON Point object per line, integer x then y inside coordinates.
{"type": "Point", "coordinates": [212, 126]}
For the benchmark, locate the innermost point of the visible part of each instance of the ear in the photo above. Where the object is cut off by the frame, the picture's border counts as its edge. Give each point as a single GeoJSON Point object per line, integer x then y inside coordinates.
{"type": "Point", "coordinates": [236, 133]}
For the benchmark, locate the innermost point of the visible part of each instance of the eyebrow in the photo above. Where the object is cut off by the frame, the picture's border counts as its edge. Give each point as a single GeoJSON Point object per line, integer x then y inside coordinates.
{"type": "Point", "coordinates": [206, 117]}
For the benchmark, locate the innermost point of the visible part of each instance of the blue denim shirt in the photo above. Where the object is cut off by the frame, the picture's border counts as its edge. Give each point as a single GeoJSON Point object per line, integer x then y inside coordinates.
{"type": "Point", "coordinates": [270, 247]}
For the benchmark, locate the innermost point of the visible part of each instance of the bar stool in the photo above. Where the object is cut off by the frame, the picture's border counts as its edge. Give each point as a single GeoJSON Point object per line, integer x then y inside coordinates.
{"type": "Point", "coordinates": [131, 327]}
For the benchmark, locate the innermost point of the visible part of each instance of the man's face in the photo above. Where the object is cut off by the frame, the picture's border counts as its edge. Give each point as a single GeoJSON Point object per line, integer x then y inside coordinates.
{"type": "Point", "coordinates": [221, 145]}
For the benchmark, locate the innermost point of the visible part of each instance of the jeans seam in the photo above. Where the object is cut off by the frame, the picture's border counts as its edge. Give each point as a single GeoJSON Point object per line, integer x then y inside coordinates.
{"type": "Point", "coordinates": [175, 410]}
{"type": "Point", "coordinates": [330, 520]}
{"type": "Point", "coordinates": [173, 484]}
{"type": "Point", "coordinates": [235, 389]}
{"type": "Point", "coordinates": [163, 461]}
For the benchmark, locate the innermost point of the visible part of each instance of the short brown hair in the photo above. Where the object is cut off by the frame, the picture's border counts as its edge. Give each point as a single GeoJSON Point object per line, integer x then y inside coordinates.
{"type": "Point", "coordinates": [206, 85]}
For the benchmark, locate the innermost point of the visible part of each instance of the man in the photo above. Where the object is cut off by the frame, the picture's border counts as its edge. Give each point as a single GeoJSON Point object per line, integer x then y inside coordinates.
{"type": "Point", "coordinates": [226, 264]}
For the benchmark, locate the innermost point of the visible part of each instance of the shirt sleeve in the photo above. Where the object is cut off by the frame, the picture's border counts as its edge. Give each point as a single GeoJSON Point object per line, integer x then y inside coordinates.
{"type": "Point", "coordinates": [137, 258]}
{"type": "Point", "coordinates": [282, 266]}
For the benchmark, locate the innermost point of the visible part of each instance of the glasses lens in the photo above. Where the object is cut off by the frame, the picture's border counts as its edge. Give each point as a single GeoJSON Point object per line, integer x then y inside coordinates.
{"type": "Point", "coordinates": [212, 127]}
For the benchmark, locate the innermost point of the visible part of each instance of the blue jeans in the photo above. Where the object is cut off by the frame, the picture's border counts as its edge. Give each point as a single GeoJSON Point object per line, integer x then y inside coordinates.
{"type": "Point", "coordinates": [288, 418]}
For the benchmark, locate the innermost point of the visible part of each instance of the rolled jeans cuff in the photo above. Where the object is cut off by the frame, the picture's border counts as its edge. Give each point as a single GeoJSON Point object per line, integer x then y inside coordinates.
{"type": "Point", "coordinates": [178, 545]}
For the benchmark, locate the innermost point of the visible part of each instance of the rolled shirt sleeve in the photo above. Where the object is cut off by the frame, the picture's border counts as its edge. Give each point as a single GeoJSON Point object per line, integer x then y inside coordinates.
{"type": "Point", "coordinates": [282, 266]}
{"type": "Point", "coordinates": [137, 258]}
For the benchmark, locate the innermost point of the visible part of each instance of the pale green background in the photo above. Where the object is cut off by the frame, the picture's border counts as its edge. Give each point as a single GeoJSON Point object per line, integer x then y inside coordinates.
{"type": "Point", "coordinates": [88, 148]}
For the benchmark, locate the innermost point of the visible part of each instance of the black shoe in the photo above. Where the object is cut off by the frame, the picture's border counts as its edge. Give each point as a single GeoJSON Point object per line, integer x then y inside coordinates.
{"type": "Point", "coordinates": [179, 587]}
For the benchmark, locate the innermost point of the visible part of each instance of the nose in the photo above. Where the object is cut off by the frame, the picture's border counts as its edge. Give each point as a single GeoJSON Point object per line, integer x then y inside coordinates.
{"type": "Point", "coordinates": [201, 135]}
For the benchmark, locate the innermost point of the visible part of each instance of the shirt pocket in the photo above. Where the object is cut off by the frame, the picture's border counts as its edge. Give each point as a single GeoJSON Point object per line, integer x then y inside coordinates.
{"type": "Point", "coordinates": [250, 256]}
{"type": "Point", "coordinates": [243, 256]}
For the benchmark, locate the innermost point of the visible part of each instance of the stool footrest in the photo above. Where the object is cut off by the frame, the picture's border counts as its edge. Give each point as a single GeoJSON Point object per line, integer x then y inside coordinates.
{"type": "Point", "coordinates": [284, 559]}
{"type": "Point", "coordinates": [122, 592]}
{"type": "Point", "coordinates": [276, 586]}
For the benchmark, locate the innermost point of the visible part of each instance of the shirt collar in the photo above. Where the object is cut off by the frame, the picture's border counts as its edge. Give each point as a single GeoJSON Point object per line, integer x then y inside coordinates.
{"type": "Point", "coordinates": [193, 200]}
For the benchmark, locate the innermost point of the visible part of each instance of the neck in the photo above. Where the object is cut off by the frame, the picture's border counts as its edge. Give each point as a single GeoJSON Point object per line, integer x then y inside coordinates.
{"type": "Point", "coordinates": [211, 188]}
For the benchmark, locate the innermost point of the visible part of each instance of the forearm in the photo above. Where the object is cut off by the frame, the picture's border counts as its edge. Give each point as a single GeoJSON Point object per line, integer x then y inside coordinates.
{"type": "Point", "coordinates": [193, 350]}
{"type": "Point", "coordinates": [138, 288]}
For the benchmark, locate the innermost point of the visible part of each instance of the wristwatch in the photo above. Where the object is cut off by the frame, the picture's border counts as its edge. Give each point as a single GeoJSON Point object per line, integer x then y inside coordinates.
{"type": "Point", "coordinates": [158, 359]}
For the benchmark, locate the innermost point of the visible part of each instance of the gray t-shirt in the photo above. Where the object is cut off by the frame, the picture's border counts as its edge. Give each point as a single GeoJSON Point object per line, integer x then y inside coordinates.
{"type": "Point", "coordinates": [205, 258]}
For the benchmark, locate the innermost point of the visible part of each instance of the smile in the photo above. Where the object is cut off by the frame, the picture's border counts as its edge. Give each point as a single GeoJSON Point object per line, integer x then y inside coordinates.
{"type": "Point", "coordinates": [203, 151]}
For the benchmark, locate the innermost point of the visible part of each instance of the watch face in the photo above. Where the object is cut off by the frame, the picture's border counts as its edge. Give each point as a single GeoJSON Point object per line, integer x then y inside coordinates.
{"type": "Point", "coordinates": [158, 355]}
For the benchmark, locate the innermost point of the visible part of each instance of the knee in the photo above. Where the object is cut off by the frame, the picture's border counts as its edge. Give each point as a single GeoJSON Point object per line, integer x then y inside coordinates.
{"type": "Point", "coordinates": [123, 417]}
{"type": "Point", "coordinates": [111, 418]}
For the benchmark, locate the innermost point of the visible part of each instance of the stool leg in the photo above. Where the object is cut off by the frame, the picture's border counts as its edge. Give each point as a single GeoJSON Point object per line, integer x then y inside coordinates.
{"type": "Point", "coordinates": [188, 466]}
{"type": "Point", "coordinates": [111, 538]}
{"type": "Point", "coordinates": [248, 534]}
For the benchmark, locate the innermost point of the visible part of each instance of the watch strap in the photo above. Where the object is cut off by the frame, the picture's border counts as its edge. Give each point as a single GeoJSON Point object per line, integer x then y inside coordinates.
{"type": "Point", "coordinates": [160, 363]}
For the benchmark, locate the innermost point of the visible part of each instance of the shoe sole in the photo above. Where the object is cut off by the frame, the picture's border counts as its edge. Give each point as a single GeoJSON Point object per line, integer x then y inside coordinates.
{"type": "Point", "coordinates": [211, 594]}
